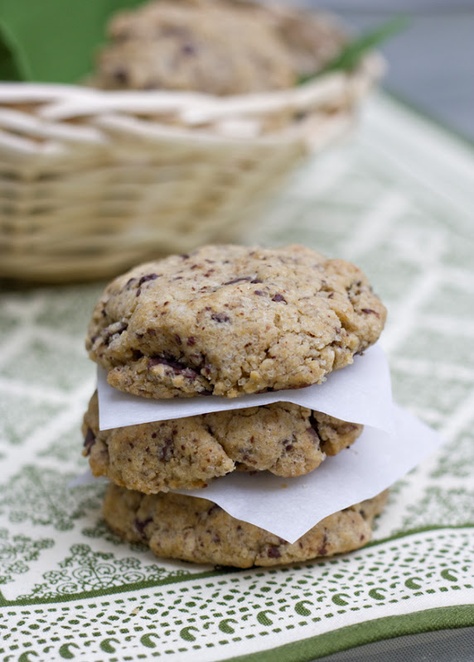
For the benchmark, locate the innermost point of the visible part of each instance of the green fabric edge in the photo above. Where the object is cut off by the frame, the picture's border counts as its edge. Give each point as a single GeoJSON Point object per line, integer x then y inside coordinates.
{"type": "Point", "coordinates": [114, 590]}
{"type": "Point", "coordinates": [217, 572]}
{"type": "Point", "coordinates": [389, 627]}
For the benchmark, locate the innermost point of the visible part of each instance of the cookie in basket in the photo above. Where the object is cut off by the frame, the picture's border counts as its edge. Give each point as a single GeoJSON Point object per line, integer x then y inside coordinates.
{"type": "Point", "coordinates": [186, 453]}
{"type": "Point", "coordinates": [193, 529]}
{"type": "Point", "coordinates": [216, 47]}
{"type": "Point", "coordinates": [229, 320]}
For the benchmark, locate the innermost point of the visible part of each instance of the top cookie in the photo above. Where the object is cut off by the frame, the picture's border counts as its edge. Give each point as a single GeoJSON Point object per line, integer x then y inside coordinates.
{"type": "Point", "coordinates": [230, 320]}
{"type": "Point", "coordinates": [213, 47]}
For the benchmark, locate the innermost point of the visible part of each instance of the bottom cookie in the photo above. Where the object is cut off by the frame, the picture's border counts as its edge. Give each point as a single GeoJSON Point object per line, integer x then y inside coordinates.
{"type": "Point", "coordinates": [193, 529]}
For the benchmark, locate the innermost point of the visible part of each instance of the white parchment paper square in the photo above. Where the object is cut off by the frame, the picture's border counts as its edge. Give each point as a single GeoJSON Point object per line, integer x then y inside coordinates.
{"type": "Point", "coordinates": [290, 507]}
{"type": "Point", "coordinates": [359, 393]}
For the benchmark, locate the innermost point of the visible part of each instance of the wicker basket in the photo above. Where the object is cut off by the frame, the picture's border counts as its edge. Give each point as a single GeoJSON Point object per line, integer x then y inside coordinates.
{"type": "Point", "coordinates": [92, 182]}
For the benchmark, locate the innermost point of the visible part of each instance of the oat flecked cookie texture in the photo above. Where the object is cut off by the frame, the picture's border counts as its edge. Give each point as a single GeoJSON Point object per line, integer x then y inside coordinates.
{"type": "Point", "coordinates": [186, 453]}
{"type": "Point", "coordinates": [197, 530]}
{"type": "Point", "coordinates": [229, 320]}
{"type": "Point", "coordinates": [220, 48]}
{"type": "Point", "coordinates": [212, 47]}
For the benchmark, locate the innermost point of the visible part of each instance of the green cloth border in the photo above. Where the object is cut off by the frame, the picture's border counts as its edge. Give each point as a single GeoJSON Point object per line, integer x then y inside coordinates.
{"type": "Point", "coordinates": [389, 627]}
{"type": "Point", "coordinates": [198, 576]}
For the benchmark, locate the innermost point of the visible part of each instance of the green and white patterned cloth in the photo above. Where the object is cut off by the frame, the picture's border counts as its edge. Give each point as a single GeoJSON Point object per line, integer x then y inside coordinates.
{"type": "Point", "coordinates": [397, 199]}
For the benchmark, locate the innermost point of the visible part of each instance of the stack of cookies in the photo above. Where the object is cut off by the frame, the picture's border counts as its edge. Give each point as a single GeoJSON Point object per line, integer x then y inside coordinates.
{"type": "Point", "coordinates": [227, 321]}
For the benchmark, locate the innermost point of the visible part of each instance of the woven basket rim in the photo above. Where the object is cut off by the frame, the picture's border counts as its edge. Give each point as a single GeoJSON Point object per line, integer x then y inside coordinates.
{"type": "Point", "coordinates": [58, 102]}
{"type": "Point", "coordinates": [154, 155]}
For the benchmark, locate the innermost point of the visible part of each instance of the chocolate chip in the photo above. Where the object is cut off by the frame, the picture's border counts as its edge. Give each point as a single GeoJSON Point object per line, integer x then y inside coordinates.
{"type": "Point", "coordinates": [369, 311]}
{"type": "Point", "coordinates": [354, 289]}
{"type": "Point", "coordinates": [173, 365]}
{"type": "Point", "coordinates": [273, 552]}
{"type": "Point", "coordinates": [140, 525]}
{"type": "Point", "coordinates": [161, 360]}
{"type": "Point", "coordinates": [315, 426]}
{"type": "Point", "coordinates": [220, 317]}
{"type": "Point", "coordinates": [166, 451]}
{"type": "Point", "coordinates": [323, 549]}
{"type": "Point", "coordinates": [188, 49]}
{"type": "Point", "coordinates": [120, 76]}
{"type": "Point", "coordinates": [278, 297]}
{"type": "Point", "coordinates": [146, 278]}
{"type": "Point", "coordinates": [213, 509]}
{"type": "Point", "coordinates": [89, 441]}
{"type": "Point", "coordinates": [242, 279]}
{"type": "Point", "coordinates": [113, 331]}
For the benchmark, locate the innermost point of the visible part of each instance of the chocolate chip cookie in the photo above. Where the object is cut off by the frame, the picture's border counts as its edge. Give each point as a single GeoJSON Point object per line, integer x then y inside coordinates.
{"type": "Point", "coordinates": [212, 47]}
{"type": "Point", "coordinates": [229, 320]}
{"type": "Point", "coordinates": [219, 48]}
{"type": "Point", "coordinates": [284, 439]}
{"type": "Point", "coordinates": [197, 530]}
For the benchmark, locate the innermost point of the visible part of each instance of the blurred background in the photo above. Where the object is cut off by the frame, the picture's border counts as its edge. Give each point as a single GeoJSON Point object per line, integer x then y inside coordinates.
{"type": "Point", "coordinates": [431, 62]}
{"type": "Point", "coordinates": [430, 67]}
